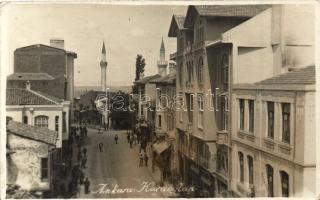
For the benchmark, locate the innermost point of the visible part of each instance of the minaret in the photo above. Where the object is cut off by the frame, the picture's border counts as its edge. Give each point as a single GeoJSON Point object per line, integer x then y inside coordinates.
{"type": "Point", "coordinates": [162, 63]}
{"type": "Point", "coordinates": [103, 65]}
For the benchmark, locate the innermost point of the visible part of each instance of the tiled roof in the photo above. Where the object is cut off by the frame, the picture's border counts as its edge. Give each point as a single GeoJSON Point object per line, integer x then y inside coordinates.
{"type": "Point", "coordinates": [302, 76]}
{"type": "Point", "coordinates": [231, 10]}
{"type": "Point", "coordinates": [31, 132]}
{"type": "Point", "coordinates": [30, 76]}
{"type": "Point", "coordinates": [169, 79]}
{"type": "Point", "coordinates": [17, 96]}
{"type": "Point", "coordinates": [57, 100]}
{"type": "Point", "coordinates": [222, 11]}
{"type": "Point", "coordinates": [147, 79]}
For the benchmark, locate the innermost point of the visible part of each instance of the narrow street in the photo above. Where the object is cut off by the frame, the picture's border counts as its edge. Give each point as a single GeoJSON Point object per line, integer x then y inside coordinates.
{"type": "Point", "coordinates": [116, 165]}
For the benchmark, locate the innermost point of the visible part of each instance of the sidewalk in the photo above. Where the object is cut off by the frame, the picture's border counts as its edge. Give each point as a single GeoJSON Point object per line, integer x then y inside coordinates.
{"type": "Point", "coordinates": [156, 175]}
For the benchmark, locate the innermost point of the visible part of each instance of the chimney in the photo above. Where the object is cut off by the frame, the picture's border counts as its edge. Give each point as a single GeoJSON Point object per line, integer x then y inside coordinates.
{"type": "Point", "coordinates": [57, 43]}
{"type": "Point", "coordinates": [28, 85]}
{"type": "Point", "coordinates": [172, 68]}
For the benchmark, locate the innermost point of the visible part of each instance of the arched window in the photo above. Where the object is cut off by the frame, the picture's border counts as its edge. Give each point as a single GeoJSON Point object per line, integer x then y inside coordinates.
{"type": "Point", "coordinates": [284, 183]}
{"type": "Point", "coordinates": [250, 169]}
{"type": "Point", "coordinates": [41, 121]}
{"type": "Point", "coordinates": [200, 70]}
{"type": "Point", "coordinates": [241, 166]}
{"type": "Point", "coordinates": [269, 171]}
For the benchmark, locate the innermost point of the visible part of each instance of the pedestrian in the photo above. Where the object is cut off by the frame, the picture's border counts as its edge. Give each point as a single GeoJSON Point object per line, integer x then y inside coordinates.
{"type": "Point", "coordinates": [146, 158]}
{"type": "Point", "coordinates": [141, 159]}
{"type": "Point", "coordinates": [87, 186]}
{"type": "Point", "coordinates": [116, 138]}
{"type": "Point", "coordinates": [85, 131]}
{"type": "Point", "coordinates": [100, 146]}
{"type": "Point", "coordinates": [131, 141]}
{"type": "Point", "coordinates": [83, 162]}
{"type": "Point", "coordinates": [84, 151]}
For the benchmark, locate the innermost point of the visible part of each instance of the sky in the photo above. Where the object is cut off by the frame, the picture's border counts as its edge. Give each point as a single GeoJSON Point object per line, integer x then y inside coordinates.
{"type": "Point", "coordinates": [127, 30]}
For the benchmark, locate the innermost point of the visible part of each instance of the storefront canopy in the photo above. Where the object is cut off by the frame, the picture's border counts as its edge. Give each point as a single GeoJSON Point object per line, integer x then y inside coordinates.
{"type": "Point", "coordinates": [160, 147]}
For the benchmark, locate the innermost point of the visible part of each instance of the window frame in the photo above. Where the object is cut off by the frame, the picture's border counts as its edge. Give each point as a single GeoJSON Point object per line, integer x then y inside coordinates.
{"type": "Point", "coordinates": [286, 113]}
{"type": "Point", "coordinates": [200, 71]}
{"type": "Point", "coordinates": [270, 182]}
{"type": "Point", "coordinates": [251, 115]}
{"type": "Point", "coordinates": [41, 121]}
{"type": "Point", "coordinates": [42, 169]}
{"type": "Point", "coordinates": [242, 114]}
{"type": "Point", "coordinates": [250, 170]}
{"type": "Point", "coordinates": [270, 126]}
{"type": "Point", "coordinates": [241, 166]}
{"type": "Point", "coordinates": [284, 176]}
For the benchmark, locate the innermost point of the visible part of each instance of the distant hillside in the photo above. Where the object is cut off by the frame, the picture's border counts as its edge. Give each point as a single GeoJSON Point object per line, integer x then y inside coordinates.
{"type": "Point", "coordinates": [79, 90]}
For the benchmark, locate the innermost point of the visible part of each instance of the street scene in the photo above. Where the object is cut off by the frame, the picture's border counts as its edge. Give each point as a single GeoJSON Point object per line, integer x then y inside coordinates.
{"type": "Point", "coordinates": [159, 101]}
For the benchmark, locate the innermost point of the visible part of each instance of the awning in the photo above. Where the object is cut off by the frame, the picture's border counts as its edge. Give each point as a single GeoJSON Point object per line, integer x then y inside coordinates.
{"type": "Point", "coordinates": [160, 147]}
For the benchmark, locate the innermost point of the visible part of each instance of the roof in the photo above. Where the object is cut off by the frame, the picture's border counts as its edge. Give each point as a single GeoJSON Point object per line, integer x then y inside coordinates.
{"type": "Point", "coordinates": [147, 79]}
{"type": "Point", "coordinates": [18, 96]}
{"type": "Point", "coordinates": [30, 76]}
{"type": "Point", "coordinates": [176, 24]}
{"type": "Point", "coordinates": [222, 11]}
{"type": "Point", "coordinates": [31, 132]}
{"type": "Point", "coordinates": [168, 79]}
{"type": "Point", "coordinates": [301, 76]}
{"type": "Point", "coordinates": [48, 46]}
{"type": "Point", "coordinates": [103, 49]}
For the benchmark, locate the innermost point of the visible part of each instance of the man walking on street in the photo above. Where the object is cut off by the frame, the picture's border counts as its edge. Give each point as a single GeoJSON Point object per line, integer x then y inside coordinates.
{"type": "Point", "coordinates": [116, 138]}
{"type": "Point", "coordinates": [146, 158]}
{"type": "Point", "coordinates": [100, 146]}
{"type": "Point", "coordinates": [141, 159]}
{"type": "Point", "coordinates": [87, 186]}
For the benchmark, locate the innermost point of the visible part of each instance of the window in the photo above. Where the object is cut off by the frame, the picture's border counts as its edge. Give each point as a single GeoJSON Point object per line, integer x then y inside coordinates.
{"type": "Point", "coordinates": [241, 106]}
{"type": "Point", "coordinates": [251, 116]}
{"type": "Point", "coordinates": [180, 73]}
{"type": "Point", "coordinates": [269, 170]}
{"type": "Point", "coordinates": [286, 122]}
{"type": "Point", "coordinates": [189, 98]}
{"type": "Point", "coordinates": [224, 122]}
{"type": "Point", "coordinates": [200, 71]}
{"type": "Point", "coordinates": [25, 119]}
{"type": "Point", "coordinates": [201, 110]}
{"type": "Point", "coordinates": [190, 72]}
{"type": "Point", "coordinates": [64, 122]}
{"type": "Point", "coordinates": [284, 183]}
{"type": "Point", "coordinates": [225, 70]}
{"type": "Point", "coordinates": [240, 154]}
{"type": "Point", "coordinates": [250, 169]}
{"type": "Point", "coordinates": [159, 117]}
{"type": "Point", "coordinates": [44, 168]}
{"type": "Point", "coordinates": [270, 119]}
{"type": "Point", "coordinates": [41, 121]}
{"type": "Point", "coordinates": [57, 123]}
{"type": "Point", "coordinates": [141, 110]}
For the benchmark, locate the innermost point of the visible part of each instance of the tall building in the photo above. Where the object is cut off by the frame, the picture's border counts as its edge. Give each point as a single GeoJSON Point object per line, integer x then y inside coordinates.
{"type": "Point", "coordinates": [162, 63]}
{"type": "Point", "coordinates": [103, 65]}
{"type": "Point", "coordinates": [202, 145]}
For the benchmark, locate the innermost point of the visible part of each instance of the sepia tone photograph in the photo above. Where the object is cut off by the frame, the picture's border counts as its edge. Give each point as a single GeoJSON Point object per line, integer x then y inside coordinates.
{"type": "Point", "coordinates": [158, 100]}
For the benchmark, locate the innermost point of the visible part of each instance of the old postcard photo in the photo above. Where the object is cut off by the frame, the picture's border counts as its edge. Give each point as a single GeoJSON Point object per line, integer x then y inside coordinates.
{"type": "Point", "coordinates": [159, 99]}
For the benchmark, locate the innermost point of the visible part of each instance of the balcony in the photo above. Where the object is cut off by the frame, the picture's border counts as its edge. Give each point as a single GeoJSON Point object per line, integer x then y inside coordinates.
{"type": "Point", "coordinates": [222, 137]}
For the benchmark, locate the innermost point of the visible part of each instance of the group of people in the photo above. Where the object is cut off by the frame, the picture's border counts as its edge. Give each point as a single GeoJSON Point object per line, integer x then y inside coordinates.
{"type": "Point", "coordinates": [132, 138]}
{"type": "Point", "coordinates": [78, 133]}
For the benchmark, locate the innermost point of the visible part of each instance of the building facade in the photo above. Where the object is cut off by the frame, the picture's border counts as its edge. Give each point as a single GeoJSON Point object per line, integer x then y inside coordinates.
{"type": "Point", "coordinates": [201, 126]}
{"type": "Point", "coordinates": [49, 69]}
{"type": "Point", "coordinates": [30, 163]}
{"type": "Point", "coordinates": [273, 131]}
